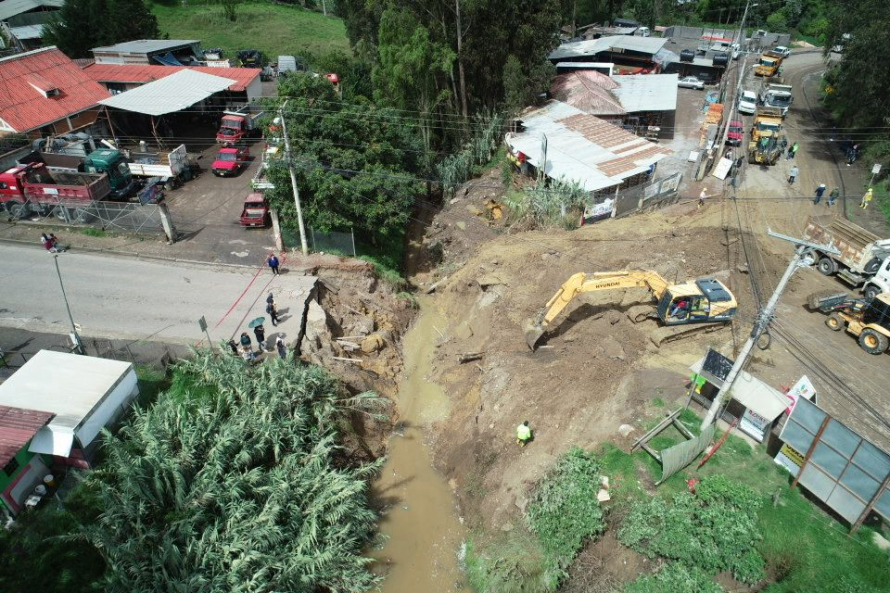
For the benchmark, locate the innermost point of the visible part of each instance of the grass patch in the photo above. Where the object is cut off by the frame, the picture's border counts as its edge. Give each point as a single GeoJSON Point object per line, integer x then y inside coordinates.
{"type": "Point", "coordinates": [93, 232]}
{"type": "Point", "coordinates": [273, 29]}
{"type": "Point", "coordinates": [511, 563]}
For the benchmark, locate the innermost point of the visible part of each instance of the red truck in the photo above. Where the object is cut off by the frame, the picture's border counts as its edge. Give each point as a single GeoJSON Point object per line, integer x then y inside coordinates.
{"type": "Point", "coordinates": [255, 212]}
{"type": "Point", "coordinates": [230, 161]}
{"type": "Point", "coordinates": [31, 188]}
{"type": "Point", "coordinates": [238, 124]}
{"type": "Point", "coordinates": [736, 133]}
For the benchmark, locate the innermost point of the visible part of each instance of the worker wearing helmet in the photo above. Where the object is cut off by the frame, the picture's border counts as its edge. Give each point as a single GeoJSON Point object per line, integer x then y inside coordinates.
{"type": "Point", "coordinates": [866, 199]}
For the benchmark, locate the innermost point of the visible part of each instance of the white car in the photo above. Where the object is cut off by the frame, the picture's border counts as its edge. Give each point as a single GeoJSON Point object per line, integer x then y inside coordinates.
{"type": "Point", "coordinates": [748, 102]}
{"type": "Point", "coordinates": [691, 82]}
{"type": "Point", "coordinates": [781, 50]}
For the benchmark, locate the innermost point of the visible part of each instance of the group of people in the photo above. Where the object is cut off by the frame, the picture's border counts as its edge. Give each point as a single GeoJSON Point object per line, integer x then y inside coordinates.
{"type": "Point", "coordinates": [244, 347]}
{"type": "Point", "coordinates": [50, 243]}
{"type": "Point", "coordinates": [832, 197]}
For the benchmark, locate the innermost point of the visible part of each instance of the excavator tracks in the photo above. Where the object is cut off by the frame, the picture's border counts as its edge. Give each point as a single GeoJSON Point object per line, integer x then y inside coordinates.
{"type": "Point", "coordinates": [672, 333]}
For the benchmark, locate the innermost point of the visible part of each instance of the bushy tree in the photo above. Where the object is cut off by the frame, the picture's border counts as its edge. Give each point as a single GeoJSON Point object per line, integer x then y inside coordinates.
{"type": "Point", "coordinates": [356, 164]}
{"type": "Point", "coordinates": [229, 483]}
{"type": "Point", "coordinates": [81, 25]}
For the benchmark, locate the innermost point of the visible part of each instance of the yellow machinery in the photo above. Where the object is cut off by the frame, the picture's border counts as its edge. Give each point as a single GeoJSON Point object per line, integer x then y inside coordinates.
{"type": "Point", "coordinates": [705, 300]}
{"type": "Point", "coordinates": [765, 125]}
{"type": "Point", "coordinates": [867, 320]}
{"type": "Point", "coordinates": [768, 65]}
{"type": "Point", "coordinates": [767, 150]}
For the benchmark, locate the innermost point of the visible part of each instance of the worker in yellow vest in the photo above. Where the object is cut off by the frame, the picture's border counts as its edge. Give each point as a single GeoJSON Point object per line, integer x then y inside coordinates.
{"type": "Point", "coordinates": [523, 434]}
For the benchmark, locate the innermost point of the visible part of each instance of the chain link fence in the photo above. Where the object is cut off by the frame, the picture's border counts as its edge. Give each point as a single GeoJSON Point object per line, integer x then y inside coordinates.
{"type": "Point", "coordinates": [329, 242]}
{"type": "Point", "coordinates": [107, 216]}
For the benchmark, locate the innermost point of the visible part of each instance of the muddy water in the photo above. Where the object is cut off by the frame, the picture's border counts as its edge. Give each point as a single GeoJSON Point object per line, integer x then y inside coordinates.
{"type": "Point", "coordinates": [421, 521]}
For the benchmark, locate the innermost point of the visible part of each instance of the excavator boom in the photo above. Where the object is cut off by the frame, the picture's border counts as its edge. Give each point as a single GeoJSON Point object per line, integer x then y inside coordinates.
{"type": "Point", "coordinates": [581, 283]}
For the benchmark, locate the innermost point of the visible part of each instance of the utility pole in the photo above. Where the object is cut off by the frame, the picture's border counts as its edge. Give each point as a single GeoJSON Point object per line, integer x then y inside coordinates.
{"type": "Point", "coordinates": [293, 179]}
{"type": "Point", "coordinates": [801, 259]}
{"type": "Point", "coordinates": [78, 345]}
{"type": "Point", "coordinates": [743, 62]}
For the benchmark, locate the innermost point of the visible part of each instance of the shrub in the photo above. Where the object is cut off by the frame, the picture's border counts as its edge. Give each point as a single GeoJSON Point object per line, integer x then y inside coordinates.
{"type": "Point", "coordinates": [564, 510]}
{"type": "Point", "coordinates": [675, 578]}
{"type": "Point", "coordinates": [713, 530]}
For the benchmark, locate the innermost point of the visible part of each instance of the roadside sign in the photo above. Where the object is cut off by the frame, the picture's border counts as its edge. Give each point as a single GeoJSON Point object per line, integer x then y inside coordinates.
{"type": "Point", "coordinates": [876, 170]}
{"type": "Point", "coordinates": [202, 323]}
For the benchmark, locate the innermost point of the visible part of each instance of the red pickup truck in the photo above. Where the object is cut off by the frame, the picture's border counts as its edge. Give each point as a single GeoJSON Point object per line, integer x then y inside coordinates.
{"type": "Point", "coordinates": [230, 161]}
{"type": "Point", "coordinates": [31, 188]}
{"type": "Point", "coordinates": [255, 212]}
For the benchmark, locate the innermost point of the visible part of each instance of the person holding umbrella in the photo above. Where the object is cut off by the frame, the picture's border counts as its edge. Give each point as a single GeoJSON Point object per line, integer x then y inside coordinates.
{"type": "Point", "coordinates": [259, 332]}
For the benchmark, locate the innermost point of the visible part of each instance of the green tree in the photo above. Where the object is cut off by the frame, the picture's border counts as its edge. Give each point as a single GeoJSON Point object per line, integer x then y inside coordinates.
{"type": "Point", "coordinates": [411, 72]}
{"type": "Point", "coordinates": [232, 482]}
{"type": "Point", "coordinates": [81, 25]}
{"type": "Point", "coordinates": [356, 164]}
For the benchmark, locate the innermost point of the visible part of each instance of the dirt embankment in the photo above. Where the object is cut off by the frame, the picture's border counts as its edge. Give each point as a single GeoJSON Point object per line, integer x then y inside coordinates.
{"type": "Point", "coordinates": [354, 329]}
{"type": "Point", "coordinates": [595, 371]}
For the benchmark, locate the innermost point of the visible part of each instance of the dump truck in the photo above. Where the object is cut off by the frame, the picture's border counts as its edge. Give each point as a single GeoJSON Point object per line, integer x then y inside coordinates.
{"type": "Point", "coordinates": [702, 301]}
{"type": "Point", "coordinates": [863, 253]}
{"type": "Point", "coordinates": [768, 65]}
{"type": "Point", "coordinates": [777, 96]}
{"type": "Point", "coordinates": [866, 319]}
{"type": "Point", "coordinates": [102, 160]}
{"type": "Point", "coordinates": [765, 123]}
{"type": "Point", "coordinates": [31, 188]}
{"type": "Point", "coordinates": [239, 123]}
{"type": "Point", "coordinates": [145, 163]}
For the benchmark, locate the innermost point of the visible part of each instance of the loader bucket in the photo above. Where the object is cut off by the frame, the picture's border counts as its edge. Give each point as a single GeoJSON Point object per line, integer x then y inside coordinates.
{"type": "Point", "coordinates": [533, 333]}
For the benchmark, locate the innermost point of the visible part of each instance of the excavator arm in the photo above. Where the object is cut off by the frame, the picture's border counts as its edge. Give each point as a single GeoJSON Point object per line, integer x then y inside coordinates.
{"type": "Point", "coordinates": [580, 283]}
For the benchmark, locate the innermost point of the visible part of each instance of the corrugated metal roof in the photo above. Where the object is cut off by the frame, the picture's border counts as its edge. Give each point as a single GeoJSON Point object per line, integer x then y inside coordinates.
{"type": "Point", "coordinates": [647, 92]}
{"type": "Point", "coordinates": [754, 394]}
{"type": "Point", "coordinates": [582, 148]}
{"type": "Point", "coordinates": [137, 73]}
{"type": "Point", "coordinates": [17, 427]}
{"type": "Point", "coordinates": [588, 90]}
{"type": "Point", "coordinates": [591, 47]}
{"type": "Point", "coordinates": [24, 108]}
{"type": "Point", "coordinates": [170, 94]}
{"type": "Point", "coordinates": [67, 385]}
{"type": "Point", "coordinates": [145, 46]}
{"type": "Point", "coordinates": [11, 8]}
{"type": "Point", "coordinates": [27, 32]}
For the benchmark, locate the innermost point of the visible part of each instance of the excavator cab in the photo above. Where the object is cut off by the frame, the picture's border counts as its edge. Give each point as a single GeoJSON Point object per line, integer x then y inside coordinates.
{"type": "Point", "coordinates": [705, 300]}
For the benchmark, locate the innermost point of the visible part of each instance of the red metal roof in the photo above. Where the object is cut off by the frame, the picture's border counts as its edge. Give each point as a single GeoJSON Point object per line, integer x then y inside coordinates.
{"type": "Point", "coordinates": [135, 73]}
{"type": "Point", "coordinates": [589, 91]}
{"type": "Point", "coordinates": [25, 108]}
{"type": "Point", "coordinates": [17, 427]}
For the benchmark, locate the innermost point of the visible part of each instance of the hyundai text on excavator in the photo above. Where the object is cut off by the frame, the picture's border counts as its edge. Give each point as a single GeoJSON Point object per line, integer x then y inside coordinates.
{"type": "Point", "coordinates": [705, 300]}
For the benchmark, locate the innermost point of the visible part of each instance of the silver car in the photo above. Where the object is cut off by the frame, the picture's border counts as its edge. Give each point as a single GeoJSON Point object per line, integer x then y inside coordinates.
{"type": "Point", "coordinates": [691, 82]}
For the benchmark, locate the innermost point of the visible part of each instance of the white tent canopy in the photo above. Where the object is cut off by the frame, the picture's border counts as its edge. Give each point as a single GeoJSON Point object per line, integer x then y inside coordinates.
{"type": "Point", "coordinates": [170, 94]}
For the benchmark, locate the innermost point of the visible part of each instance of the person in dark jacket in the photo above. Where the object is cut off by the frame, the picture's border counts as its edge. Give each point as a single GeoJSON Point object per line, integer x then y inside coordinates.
{"type": "Point", "coordinates": [260, 333]}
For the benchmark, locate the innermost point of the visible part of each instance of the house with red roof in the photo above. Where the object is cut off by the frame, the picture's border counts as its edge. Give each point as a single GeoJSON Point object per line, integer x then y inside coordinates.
{"type": "Point", "coordinates": [46, 93]}
{"type": "Point", "coordinates": [118, 78]}
{"type": "Point", "coordinates": [21, 470]}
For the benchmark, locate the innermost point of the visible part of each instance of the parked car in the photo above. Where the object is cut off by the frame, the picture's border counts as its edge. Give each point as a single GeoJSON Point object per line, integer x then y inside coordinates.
{"type": "Point", "coordinates": [691, 82]}
{"type": "Point", "coordinates": [255, 212]}
{"type": "Point", "coordinates": [736, 133]}
{"type": "Point", "coordinates": [748, 102]}
{"type": "Point", "coordinates": [781, 51]}
{"type": "Point", "coordinates": [230, 161]}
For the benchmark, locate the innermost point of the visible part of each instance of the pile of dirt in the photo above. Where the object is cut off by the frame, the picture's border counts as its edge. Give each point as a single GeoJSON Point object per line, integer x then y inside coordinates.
{"type": "Point", "coordinates": [592, 374]}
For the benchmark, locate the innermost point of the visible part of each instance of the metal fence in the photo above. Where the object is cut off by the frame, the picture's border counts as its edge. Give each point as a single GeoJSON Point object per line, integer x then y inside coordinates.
{"type": "Point", "coordinates": [111, 216]}
{"type": "Point", "coordinates": [331, 242]}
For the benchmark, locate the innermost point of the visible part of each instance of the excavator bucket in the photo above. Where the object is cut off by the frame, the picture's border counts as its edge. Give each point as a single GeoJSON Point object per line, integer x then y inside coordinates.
{"type": "Point", "coordinates": [533, 332]}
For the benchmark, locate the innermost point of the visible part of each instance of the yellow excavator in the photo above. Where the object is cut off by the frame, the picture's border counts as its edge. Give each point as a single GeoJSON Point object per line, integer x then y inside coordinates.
{"type": "Point", "coordinates": [705, 300]}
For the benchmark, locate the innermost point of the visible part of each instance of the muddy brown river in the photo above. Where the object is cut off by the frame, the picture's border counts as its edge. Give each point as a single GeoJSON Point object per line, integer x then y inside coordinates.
{"type": "Point", "coordinates": [421, 522]}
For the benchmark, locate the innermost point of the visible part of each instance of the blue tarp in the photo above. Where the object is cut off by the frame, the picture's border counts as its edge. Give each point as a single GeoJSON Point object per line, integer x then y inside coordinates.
{"type": "Point", "coordinates": [168, 59]}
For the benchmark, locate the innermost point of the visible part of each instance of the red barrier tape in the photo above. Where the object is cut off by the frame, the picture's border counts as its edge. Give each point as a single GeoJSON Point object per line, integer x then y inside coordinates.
{"type": "Point", "coordinates": [241, 296]}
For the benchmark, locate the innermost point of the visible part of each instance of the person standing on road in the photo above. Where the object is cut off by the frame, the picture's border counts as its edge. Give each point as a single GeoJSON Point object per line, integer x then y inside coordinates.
{"type": "Point", "coordinates": [792, 174]}
{"type": "Point", "coordinates": [819, 192]}
{"type": "Point", "coordinates": [273, 263]}
{"type": "Point", "coordinates": [272, 310]}
{"type": "Point", "coordinates": [523, 434]}
{"type": "Point", "coordinates": [794, 149]}
{"type": "Point", "coordinates": [833, 196]}
{"type": "Point", "coordinates": [260, 333]}
{"type": "Point", "coordinates": [701, 197]}
{"type": "Point", "coordinates": [245, 341]}
{"type": "Point", "coordinates": [281, 347]}
{"type": "Point", "coordinates": [866, 199]}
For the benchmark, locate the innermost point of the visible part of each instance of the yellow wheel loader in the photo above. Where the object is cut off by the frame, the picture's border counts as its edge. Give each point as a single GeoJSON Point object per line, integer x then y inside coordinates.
{"type": "Point", "coordinates": [705, 300]}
